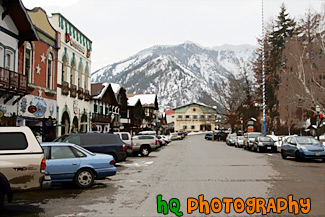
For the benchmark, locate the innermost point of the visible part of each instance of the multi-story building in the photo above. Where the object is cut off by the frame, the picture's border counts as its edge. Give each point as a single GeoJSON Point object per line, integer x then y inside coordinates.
{"type": "Point", "coordinates": [38, 60]}
{"type": "Point", "coordinates": [15, 28]}
{"type": "Point", "coordinates": [73, 80]}
{"type": "Point", "coordinates": [150, 105]}
{"type": "Point", "coordinates": [109, 108]}
{"type": "Point", "coordinates": [104, 107]}
{"type": "Point", "coordinates": [194, 117]}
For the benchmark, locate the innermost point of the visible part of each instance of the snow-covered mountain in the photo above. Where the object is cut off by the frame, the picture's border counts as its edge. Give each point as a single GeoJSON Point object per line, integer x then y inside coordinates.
{"type": "Point", "coordinates": [179, 74]}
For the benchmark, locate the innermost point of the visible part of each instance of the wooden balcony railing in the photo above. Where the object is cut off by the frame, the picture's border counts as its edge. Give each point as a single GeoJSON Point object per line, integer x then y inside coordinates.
{"type": "Point", "coordinates": [65, 88]}
{"type": "Point", "coordinates": [87, 95]}
{"type": "Point", "coordinates": [100, 118]}
{"type": "Point", "coordinates": [80, 93]}
{"type": "Point", "coordinates": [73, 91]}
{"type": "Point", "coordinates": [12, 81]}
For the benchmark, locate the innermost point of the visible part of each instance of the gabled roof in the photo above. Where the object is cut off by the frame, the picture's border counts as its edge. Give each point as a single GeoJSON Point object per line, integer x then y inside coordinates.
{"type": "Point", "coordinates": [149, 100]}
{"type": "Point", "coordinates": [204, 107]}
{"type": "Point", "coordinates": [18, 14]}
{"type": "Point", "coordinates": [133, 101]}
{"type": "Point", "coordinates": [98, 90]}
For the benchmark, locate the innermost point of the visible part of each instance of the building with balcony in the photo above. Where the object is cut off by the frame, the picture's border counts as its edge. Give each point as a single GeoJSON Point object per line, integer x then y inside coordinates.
{"type": "Point", "coordinates": [38, 60]}
{"type": "Point", "coordinates": [149, 103]}
{"type": "Point", "coordinates": [194, 117]}
{"type": "Point", "coordinates": [73, 79]}
{"type": "Point", "coordinates": [15, 28]}
{"type": "Point", "coordinates": [104, 108]}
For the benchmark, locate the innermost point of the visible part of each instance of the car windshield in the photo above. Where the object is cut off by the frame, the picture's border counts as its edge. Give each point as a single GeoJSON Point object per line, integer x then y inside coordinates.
{"type": "Point", "coordinates": [232, 137]}
{"type": "Point", "coordinates": [240, 138]}
{"type": "Point", "coordinates": [307, 140]}
{"type": "Point", "coordinates": [265, 139]}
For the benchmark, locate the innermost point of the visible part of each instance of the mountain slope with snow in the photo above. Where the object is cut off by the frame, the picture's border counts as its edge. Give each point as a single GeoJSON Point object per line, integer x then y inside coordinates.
{"type": "Point", "coordinates": [179, 74]}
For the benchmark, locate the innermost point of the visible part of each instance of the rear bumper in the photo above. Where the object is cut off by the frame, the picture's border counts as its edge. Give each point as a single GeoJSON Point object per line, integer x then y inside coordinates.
{"type": "Point", "coordinates": [122, 156]}
{"type": "Point", "coordinates": [104, 172]}
{"type": "Point", "coordinates": [46, 183]}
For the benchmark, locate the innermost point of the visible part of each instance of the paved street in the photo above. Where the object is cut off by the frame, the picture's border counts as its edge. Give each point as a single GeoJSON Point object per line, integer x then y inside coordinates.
{"type": "Point", "coordinates": [183, 169]}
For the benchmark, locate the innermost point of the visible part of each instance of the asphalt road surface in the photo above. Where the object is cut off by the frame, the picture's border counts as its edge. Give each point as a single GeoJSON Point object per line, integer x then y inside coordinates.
{"type": "Point", "coordinates": [186, 169]}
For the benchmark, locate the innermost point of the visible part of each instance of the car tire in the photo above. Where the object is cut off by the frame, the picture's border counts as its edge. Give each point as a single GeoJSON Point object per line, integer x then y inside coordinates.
{"type": "Point", "coordinates": [84, 178]}
{"type": "Point", "coordinates": [283, 155]}
{"type": "Point", "coordinates": [2, 200]}
{"type": "Point", "coordinates": [297, 155]}
{"type": "Point", "coordinates": [144, 151]}
{"type": "Point", "coordinates": [323, 160]}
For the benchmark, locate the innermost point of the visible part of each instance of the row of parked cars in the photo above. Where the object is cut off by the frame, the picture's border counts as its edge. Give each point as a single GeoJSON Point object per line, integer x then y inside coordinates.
{"type": "Point", "coordinates": [299, 147]}
{"type": "Point", "coordinates": [79, 158]}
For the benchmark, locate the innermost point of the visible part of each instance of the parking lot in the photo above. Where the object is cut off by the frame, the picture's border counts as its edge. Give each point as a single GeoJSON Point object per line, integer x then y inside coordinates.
{"type": "Point", "coordinates": [183, 169]}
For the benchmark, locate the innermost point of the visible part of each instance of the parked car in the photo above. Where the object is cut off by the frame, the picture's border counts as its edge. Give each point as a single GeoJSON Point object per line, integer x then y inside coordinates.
{"type": "Point", "coordinates": [302, 147]}
{"type": "Point", "coordinates": [105, 143]}
{"type": "Point", "coordinates": [231, 139]}
{"type": "Point", "coordinates": [174, 136]}
{"type": "Point", "coordinates": [210, 136]}
{"type": "Point", "coordinates": [144, 144]}
{"type": "Point", "coordinates": [239, 142]}
{"type": "Point", "coordinates": [182, 134]}
{"type": "Point", "coordinates": [264, 143]}
{"type": "Point", "coordinates": [249, 139]}
{"type": "Point", "coordinates": [161, 140]}
{"type": "Point", "coordinates": [68, 162]}
{"type": "Point", "coordinates": [148, 132]}
{"type": "Point", "coordinates": [166, 138]}
{"type": "Point", "coordinates": [22, 162]}
{"type": "Point", "coordinates": [127, 139]}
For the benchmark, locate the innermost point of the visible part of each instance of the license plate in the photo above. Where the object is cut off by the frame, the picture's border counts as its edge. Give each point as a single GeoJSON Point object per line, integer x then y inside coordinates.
{"type": "Point", "coordinates": [269, 147]}
{"type": "Point", "coordinates": [318, 154]}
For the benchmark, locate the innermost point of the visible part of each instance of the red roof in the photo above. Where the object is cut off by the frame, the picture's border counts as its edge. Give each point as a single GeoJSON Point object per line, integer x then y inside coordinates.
{"type": "Point", "coordinates": [169, 112]}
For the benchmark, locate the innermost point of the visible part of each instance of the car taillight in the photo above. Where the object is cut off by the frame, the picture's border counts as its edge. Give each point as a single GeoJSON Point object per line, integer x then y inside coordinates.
{"type": "Point", "coordinates": [112, 162]}
{"type": "Point", "coordinates": [131, 146]}
{"type": "Point", "coordinates": [43, 165]}
{"type": "Point", "coordinates": [156, 142]}
{"type": "Point", "coordinates": [123, 147]}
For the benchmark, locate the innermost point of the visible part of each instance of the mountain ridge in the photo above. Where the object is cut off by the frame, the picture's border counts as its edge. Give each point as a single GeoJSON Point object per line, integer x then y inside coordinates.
{"type": "Point", "coordinates": [179, 74]}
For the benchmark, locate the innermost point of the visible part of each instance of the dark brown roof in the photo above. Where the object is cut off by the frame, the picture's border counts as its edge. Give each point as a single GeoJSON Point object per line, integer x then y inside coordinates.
{"type": "Point", "coordinates": [18, 14]}
{"type": "Point", "coordinates": [96, 89]}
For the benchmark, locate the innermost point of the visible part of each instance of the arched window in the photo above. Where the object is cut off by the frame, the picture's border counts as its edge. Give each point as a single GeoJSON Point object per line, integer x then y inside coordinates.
{"type": "Point", "coordinates": [86, 79]}
{"type": "Point", "coordinates": [28, 61]}
{"type": "Point", "coordinates": [1, 56]}
{"type": "Point", "coordinates": [64, 69]}
{"type": "Point", "coordinates": [72, 75]}
{"type": "Point", "coordinates": [80, 76]}
{"type": "Point", "coordinates": [9, 60]}
{"type": "Point", "coordinates": [49, 78]}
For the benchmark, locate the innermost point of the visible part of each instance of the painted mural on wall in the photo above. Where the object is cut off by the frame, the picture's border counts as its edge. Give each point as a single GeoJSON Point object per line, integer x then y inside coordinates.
{"type": "Point", "coordinates": [8, 109]}
{"type": "Point", "coordinates": [37, 107]}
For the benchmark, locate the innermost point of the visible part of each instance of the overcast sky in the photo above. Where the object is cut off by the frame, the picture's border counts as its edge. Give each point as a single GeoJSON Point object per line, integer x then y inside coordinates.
{"type": "Point", "coordinates": [121, 28]}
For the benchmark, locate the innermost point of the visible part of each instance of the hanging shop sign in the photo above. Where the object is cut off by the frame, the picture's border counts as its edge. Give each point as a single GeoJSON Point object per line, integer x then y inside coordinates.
{"type": "Point", "coordinates": [75, 44]}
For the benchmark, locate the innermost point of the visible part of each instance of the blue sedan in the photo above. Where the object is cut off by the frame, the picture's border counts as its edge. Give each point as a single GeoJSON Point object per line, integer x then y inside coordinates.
{"type": "Point", "coordinates": [302, 147]}
{"type": "Point", "coordinates": [67, 162]}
